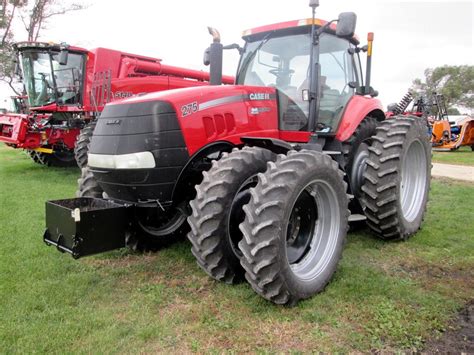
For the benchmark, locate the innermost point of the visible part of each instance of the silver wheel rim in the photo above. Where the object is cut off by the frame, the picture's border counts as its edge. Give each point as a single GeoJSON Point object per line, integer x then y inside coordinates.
{"type": "Point", "coordinates": [413, 181]}
{"type": "Point", "coordinates": [325, 232]}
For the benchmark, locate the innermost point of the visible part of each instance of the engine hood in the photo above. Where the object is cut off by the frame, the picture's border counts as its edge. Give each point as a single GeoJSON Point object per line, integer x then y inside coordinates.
{"type": "Point", "coordinates": [208, 114]}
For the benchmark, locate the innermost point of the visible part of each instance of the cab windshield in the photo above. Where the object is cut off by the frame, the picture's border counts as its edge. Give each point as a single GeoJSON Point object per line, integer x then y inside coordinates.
{"type": "Point", "coordinates": [46, 81]}
{"type": "Point", "coordinates": [283, 63]}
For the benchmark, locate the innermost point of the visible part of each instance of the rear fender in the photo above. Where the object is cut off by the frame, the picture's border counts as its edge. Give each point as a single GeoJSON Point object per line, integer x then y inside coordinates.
{"type": "Point", "coordinates": [356, 110]}
{"type": "Point", "coordinates": [192, 171]}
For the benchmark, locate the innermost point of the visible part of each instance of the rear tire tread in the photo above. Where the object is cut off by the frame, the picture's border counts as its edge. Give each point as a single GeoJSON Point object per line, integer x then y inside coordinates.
{"type": "Point", "coordinates": [380, 198]}
{"type": "Point", "coordinates": [210, 208]}
{"type": "Point", "coordinates": [260, 241]}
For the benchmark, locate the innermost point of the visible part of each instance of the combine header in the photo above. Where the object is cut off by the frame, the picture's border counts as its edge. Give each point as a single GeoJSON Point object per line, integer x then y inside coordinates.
{"type": "Point", "coordinates": [67, 88]}
{"type": "Point", "coordinates": [259, 175]}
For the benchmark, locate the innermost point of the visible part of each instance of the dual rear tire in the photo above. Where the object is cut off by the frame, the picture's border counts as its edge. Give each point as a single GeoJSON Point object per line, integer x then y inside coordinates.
{"type": "Point", "coordinates": [291, 214]}
{"type": "Point", "coordinates": [397, 178]}
{"type": "Point", "coordinates": [295, 227]}
{"type": "Point", "coordinates": [294, 218]}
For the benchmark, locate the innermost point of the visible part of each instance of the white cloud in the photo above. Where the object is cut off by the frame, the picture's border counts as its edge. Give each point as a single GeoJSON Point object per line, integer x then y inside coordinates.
{"type": "Point", "coordinates": [409, 35]}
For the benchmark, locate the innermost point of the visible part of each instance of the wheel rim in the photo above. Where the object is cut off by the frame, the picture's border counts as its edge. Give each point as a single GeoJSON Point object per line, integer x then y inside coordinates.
{"type": "Point", "coordinates": [164, 227]}
{"type": "Point", "coordinates": [237, 214]}
{"type": "Point", "coordinates": [413, 181]}
{"type": "Point", "coordinates": [359, 166]}
{"type": "Point", "coordinates": [311, 241]}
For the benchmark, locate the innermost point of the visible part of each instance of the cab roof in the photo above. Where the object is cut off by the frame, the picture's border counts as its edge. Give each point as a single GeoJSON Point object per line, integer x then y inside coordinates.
{"type": "Point", "coordinates": [246, 35]}
{"type": "Point", "coordinates": [47, 45]}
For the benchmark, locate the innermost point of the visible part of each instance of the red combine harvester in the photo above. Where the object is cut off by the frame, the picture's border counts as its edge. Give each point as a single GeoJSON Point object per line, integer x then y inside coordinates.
{"type": "Point", "coordinates": [67, 88]}
{"type": "Point", "coordinates": [260, 174]}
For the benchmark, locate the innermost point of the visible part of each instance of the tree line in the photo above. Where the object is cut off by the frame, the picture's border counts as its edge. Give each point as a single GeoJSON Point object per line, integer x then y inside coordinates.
{"type": "Point", "coordinates": [455, 83]}
{"type": "Point", "coordinates": [33, 17]}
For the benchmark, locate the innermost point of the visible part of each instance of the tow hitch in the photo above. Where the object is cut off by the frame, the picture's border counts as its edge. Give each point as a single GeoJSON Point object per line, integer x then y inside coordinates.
{"type": "Point", "coordinates": [85, 226]}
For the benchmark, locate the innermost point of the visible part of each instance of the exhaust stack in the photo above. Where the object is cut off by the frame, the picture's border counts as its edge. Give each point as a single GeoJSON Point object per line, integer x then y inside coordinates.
{"type": "Point", "coordinates": [214, 57]}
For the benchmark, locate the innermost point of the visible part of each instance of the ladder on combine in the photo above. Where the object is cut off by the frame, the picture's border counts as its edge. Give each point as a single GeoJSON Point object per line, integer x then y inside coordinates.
{"type": "Point", "coordinates": [100, 93]}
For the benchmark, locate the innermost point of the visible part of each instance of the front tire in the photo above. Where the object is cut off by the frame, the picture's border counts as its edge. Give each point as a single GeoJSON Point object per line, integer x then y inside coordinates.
{"type": "Point", "coordinates": [217, 211]}
{"type": "Point", "coordinates": [83, 140]}
{"type": "Point", "coordinates": [88, 185]}
{"type": "Point", "coordinates": [60, 158]}
{"type": "Point", "coordinates": [156, 229]}
{"type": "Point", "coordinates": [295, 227]}
{"type": "Point", "coordinates": [397, 179]}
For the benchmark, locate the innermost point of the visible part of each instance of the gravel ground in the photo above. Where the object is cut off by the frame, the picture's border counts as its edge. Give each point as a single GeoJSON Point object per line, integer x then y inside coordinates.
{"type": "Point", "coordinates": [458, 172]}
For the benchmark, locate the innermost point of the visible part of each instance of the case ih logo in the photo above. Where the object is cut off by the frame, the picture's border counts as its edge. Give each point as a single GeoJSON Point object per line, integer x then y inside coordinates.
{"type": "Point", "coordinates": [259, 96]}
{"type": "Point", "coordinates": [113, 122]}
{"type": "Point", "coordinates": [123, 94]}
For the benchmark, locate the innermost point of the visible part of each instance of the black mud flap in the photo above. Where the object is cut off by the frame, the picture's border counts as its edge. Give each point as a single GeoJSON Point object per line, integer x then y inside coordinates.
{"type": "Point", "coordinates": [85, 226]}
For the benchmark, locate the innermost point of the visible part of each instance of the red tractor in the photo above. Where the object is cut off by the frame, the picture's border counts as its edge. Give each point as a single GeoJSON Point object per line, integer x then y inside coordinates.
{"type": "Point", "coordinates": [67, 88]}
{"type": "Point", "coordinates": [264, 175]}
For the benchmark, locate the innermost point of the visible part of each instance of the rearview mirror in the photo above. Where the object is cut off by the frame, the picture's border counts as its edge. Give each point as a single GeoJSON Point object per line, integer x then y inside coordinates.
{"type": "Point", "coordinates": [346, 24]}
{"type": "Point", "coordinates": [63, 55]}
{"type": "Point", "coordinates": [207, 57]}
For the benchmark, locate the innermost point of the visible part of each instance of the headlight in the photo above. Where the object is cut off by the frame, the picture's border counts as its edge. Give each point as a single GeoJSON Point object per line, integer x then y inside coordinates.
{"type": "Point", "coordinates": [141, 160]}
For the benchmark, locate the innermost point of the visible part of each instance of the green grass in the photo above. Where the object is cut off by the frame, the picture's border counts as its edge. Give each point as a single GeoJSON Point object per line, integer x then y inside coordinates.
{"type": "Point", "coordinates": [462, 156]}
{"type": "Point", "coordinates": [384, 296]}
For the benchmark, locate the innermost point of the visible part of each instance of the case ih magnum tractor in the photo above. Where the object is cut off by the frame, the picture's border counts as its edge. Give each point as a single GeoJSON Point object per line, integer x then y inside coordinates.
{"type": "Point", "coordinates": [67, 87]}
{"type": "Point", "coordinates": [261, 174]}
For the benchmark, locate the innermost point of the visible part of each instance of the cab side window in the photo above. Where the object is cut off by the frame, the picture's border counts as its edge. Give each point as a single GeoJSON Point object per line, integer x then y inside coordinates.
{"type": "Point", "coordinates": [336, 73]}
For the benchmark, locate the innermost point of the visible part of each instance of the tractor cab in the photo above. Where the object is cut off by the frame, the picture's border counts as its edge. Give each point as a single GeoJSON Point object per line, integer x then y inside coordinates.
{"type": "Point", "coordinates": [313, 65]}
{"type": "Point", "coordinates": [279, 56]}
{"type": "Point", "coordinates": [52, 74]}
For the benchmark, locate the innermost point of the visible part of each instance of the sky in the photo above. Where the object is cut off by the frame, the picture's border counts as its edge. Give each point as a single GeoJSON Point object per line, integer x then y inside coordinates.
{"type": "Point", "coordinates": [410, 36]}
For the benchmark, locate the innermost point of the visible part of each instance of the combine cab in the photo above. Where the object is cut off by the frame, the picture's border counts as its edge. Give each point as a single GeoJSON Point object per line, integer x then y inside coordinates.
{"type": "Point", "coordinates": [67, 88]}
{"type": "Point", "coordinates": [263, 176]}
